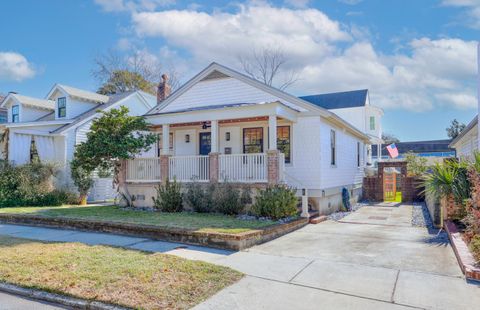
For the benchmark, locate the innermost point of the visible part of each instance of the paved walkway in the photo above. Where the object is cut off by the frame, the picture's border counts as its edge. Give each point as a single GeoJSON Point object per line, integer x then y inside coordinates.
{"type": "Point", "coordinates": [373, 259]}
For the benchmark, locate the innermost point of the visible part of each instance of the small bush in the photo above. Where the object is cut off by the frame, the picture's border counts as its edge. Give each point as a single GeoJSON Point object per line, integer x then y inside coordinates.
{"type": "Point", "coordinates": [475, 247]}
{"type": "Point", "coordinates": [169, 197]}
{"type": "Point", "coordinates": [27, 185]}
{"type": "Point", "coordinates": [226, 199]}
{"type": "Point", "coordinates": [275, 202]}
{"type": "Point", "coordinates": [246, 196]}
{"type": "Point", "coordinates": [199, 199]}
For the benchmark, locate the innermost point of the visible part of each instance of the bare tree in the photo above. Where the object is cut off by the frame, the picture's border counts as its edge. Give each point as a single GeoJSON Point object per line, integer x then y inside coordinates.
{"type": "Point", "coordinates": [267, 65]}
{"type": "Point", "coordinates": [137, 70]}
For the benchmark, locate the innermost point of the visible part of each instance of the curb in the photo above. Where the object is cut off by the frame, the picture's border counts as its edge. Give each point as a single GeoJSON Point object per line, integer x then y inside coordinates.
{"type": "Point", "coordinates": [62, 300]}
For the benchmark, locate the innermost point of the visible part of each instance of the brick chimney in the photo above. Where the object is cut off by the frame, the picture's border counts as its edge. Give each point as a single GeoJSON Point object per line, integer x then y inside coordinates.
{"type": "Point", "coordinates": [163, 90]}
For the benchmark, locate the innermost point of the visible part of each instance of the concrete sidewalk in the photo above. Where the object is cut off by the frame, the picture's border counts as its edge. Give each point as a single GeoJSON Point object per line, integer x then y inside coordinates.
{"type": "Point", "coordinates": [332, 265]}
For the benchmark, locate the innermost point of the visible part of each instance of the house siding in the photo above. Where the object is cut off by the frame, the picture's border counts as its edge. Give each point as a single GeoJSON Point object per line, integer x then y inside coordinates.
{"type": "Point", "coordinates": [467, 144]}
{"type": "Point", "coordinates": [346, 171]}
{"type": "Point", "coordinates": [305, 169]}
{"type": "Point", "coordinates": [219, 92]}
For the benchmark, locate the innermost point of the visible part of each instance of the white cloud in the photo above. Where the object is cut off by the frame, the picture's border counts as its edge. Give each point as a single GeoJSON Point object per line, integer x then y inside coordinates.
{"type": "Point", "coordinates": [15, 67]}
{"type": "Point", "coordinates": [471, 11]}
{"type": "Point", "coordinates": [327, 55]}
{"type": "Point", "coordinates": [132, 5]}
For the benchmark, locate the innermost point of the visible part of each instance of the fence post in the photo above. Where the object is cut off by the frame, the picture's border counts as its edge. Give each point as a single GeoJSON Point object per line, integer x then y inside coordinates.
{"type": "Point", "coordinates": [272, 167]}
{"type": "Point", "coordinates": [214, 166]}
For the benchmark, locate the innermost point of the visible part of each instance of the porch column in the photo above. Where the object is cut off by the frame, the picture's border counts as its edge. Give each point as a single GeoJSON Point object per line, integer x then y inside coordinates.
{"type": "Point", "coordinates": [214, 136]}
{"type": "Point", "coordinates": [214, 153]}
{"type": "Point", "coordinates": [165, 154]}
{"type": "Point", "coordinates": [272, 132]}
{"type": "Point", "coordinates": [273, 173]}
{"type": "Point", "coordinates": [166, 139]}
{"type": "Point", "coordinates": [379, 152]}
{"type": "Point", "coordinates": [164, 168]}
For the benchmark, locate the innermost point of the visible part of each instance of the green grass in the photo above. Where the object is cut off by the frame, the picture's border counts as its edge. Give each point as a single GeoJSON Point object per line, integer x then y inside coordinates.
{"type": "Point", "coordinates": [124, 277]}
{"type": "Point", "coordinates": [185, 220]}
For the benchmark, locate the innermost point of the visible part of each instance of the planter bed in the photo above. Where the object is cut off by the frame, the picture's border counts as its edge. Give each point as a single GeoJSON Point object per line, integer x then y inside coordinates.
{"type": "Point", "coordinates": [222, 240]}
{"type": "Point", "coordinates": [465, 259]}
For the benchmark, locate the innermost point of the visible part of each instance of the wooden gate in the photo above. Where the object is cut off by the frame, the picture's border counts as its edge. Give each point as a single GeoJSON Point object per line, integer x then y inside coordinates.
{"type": "Point", "coordinates": [390, 187]}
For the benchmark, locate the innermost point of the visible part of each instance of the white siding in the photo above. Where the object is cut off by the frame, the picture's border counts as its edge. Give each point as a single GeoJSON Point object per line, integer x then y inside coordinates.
{"type": "Point", "coordinates": [219, 92]}
{"type": "Point", "coordinates": [467, 144]}
{"type": "Point", "coordinates": [305, 168]}
{"type": "Point", "coordinates": [356, 116]}
{"type": "Point", "coordinates": [346, 170]}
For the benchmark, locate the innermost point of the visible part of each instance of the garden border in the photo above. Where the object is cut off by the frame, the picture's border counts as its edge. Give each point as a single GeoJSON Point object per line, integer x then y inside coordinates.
{"type": "Point", "coordinates": [226, 241]}
{"type": "Point", "coordinates": [460, 248]}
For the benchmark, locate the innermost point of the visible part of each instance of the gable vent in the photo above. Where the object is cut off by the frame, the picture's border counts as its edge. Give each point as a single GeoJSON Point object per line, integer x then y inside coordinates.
{"type": "Point", "coordinates": [215, 75]}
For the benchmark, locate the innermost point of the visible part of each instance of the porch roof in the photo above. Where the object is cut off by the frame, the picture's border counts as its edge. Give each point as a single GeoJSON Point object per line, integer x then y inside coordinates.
{"type": "Point", "coordinates": [224, 112]}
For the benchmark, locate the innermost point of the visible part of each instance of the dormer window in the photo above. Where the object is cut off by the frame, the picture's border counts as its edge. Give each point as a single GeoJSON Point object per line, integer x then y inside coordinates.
{"type": "Point", "coordinates": [62, 106]}
{"type": "Point", "coordinates": [15, 114]}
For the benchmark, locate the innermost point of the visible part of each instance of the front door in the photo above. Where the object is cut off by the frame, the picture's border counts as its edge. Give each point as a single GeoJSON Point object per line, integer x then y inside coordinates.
{"type": "Point", "coordinates": [205, 143]}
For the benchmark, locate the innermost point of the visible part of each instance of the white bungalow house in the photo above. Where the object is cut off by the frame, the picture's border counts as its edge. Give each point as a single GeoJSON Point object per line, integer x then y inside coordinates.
{"type": "Point", "coordinates": [222, 125]}
{"type": "Point", "coordinates": [50, 128]}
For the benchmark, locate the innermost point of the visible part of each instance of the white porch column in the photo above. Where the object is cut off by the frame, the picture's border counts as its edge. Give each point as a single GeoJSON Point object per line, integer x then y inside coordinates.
{"type": "Point", "coordinates": [166, 139]}
{"type": "Point", "coordinates": [379, 152]}
{"type": "Point", "coordinates": [272, 133]}
{"type": "Point", "coordinates": [214, 136]}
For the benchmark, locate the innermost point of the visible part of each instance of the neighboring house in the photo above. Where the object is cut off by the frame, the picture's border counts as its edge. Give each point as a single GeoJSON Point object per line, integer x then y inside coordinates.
{"type": "Point", "coordinates": [467, 141]}
{"type": "Point", "coordinates": [434, 150]}
{"type": "Point", "coordinates": [355, 108]}
{"type": "Point", "coordinates": [222, 125]}
{"type": "Point", "coordinates": [50, 128]}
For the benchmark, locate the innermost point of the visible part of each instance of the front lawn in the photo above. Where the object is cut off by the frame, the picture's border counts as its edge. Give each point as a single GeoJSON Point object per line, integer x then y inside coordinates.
{"type": "Point", "coordinates": [184, 220]}
{"type": "Point", "coordinates": [125, 277]}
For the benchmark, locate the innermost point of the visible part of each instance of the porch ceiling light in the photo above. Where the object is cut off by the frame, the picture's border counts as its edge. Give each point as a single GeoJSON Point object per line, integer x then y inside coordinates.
{"type": "Point", "coordinates": [205, 125]}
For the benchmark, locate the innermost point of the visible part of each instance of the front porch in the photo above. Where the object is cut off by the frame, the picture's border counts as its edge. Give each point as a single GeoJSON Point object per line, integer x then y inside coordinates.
{"type": "Point", "coordinates": [210, 145]}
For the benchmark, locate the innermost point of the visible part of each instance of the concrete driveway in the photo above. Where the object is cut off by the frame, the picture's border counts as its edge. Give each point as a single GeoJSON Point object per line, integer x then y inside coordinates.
{"type": "Point", "coordinates": [372, 259]}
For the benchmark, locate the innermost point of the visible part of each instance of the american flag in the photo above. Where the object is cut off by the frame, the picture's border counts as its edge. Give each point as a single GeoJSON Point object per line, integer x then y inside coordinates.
{"type": "Point", "coordinates": [392, 150]}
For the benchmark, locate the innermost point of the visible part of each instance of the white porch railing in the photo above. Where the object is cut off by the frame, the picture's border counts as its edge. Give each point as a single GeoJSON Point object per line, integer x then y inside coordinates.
{"type": "Point", "coordinates": [188, 168]}
{"type": "Point", "coordinates": [247, 168]}
{"type": "Point", "coordinates": [143, 170]}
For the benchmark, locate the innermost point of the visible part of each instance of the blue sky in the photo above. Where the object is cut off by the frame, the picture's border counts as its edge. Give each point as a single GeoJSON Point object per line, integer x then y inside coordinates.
{"type": "Point", "coordinates": [418, 58]}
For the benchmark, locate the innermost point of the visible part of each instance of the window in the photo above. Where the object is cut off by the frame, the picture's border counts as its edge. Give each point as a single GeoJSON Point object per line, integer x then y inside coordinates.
{"type": "Point", "coordinates": [333, 148]}
{"type": "Point", "coordinates": [358, 154]}
{"type": "Point", "coordinates": [15, 114]}
{"type": "Point", "coordinates": [372, 122]}
{"type": "Point", "coordinates": [283, 141]}
{"type": "Point", "coordinates": [159, 144]}
{"type": "Point", "coordinates": [253, 140]}
{"type": "Point", "coordinates": [62, 106]}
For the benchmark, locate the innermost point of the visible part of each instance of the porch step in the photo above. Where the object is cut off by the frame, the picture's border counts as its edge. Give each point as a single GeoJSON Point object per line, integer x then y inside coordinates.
{"type": "Point", "coordinates": [318, 219]}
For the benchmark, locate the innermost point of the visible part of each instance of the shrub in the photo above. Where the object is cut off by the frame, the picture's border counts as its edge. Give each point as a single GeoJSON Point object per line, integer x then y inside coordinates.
{"type": "Point", "coordinates": [169, 197]}
{"type": "Point", "coordinates": [246, 196]}
{"type": "Point", "coordinates": [475, 247]}
{"type": "Point", "coordinates": [28, 185]}
{"type": "Point", "coordinates": [197, 198]}
{"type": "Point", "coordinates": [226, 199]}
{"type": "Point", "coordinates": [82, 179]}
{"type": "Point", "coordinates": [416, 165]}
{"type": "Point", "coordinates": [276, 202]}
